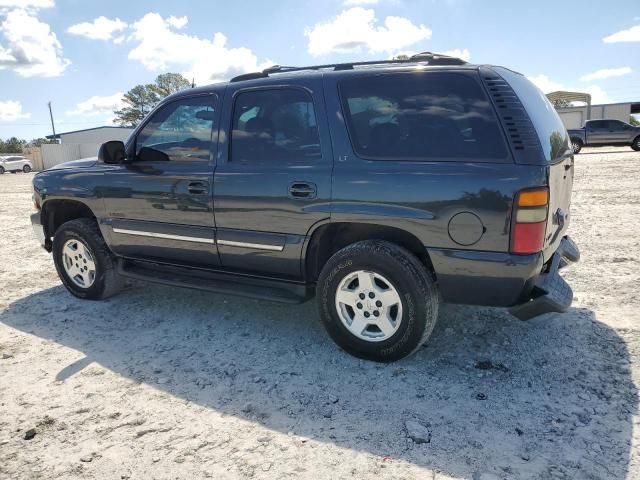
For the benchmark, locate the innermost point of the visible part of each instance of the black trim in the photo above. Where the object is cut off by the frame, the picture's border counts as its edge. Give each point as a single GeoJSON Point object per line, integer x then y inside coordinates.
{"type": "Point", "coordinates": [217, 281]}
{"type": "Point", "coordinates": [484, 278]}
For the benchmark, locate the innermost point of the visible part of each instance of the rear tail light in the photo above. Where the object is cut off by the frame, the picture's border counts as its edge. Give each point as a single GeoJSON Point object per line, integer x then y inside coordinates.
{"type": "Point", "coordinates": [530, 220]}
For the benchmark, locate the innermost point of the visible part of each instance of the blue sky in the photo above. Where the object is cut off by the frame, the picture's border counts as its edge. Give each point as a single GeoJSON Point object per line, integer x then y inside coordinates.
{"type": "Point", "coordinates": [82, 55]}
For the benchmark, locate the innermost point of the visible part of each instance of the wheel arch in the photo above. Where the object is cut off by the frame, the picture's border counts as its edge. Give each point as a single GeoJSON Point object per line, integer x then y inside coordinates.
{"type": "Point", "coordinates": [55, 212]}
{"type": "Point", "coordinates": [329, 238]}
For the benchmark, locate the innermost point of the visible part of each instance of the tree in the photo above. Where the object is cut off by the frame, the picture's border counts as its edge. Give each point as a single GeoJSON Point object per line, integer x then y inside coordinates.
{"type": "Point", "coordinates": [402, 56]}
{"type": "Point", "coordinates": [36, 142]}
{"type": "Point", "coordinates": [169, 83]}
{"type": "Point", "coordinates": [634, 121]}
{"type": "Point", "coordinates": [12, 145]}
{"type": "Point", "coordinates": [561, 103]}
{"type": "Point", "coordinates": [141, 99]}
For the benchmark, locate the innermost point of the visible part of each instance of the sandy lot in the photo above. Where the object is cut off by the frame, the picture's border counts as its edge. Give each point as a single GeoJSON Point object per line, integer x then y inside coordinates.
{"type": "Point", "coordinates": [170, 383]}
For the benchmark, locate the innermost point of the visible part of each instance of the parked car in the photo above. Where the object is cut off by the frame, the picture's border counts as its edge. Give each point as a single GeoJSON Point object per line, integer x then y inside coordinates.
{"type": "Point", "coordinates": [600, 133]}
{"type": "Point", "coordinates": [15, 163]}
{"type": "Point", "coordinates": [384, 188]}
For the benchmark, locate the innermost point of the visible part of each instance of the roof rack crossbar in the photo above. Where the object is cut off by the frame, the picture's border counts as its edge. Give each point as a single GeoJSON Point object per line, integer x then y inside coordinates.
{"type": "Point", "coordinates": [424, 57]}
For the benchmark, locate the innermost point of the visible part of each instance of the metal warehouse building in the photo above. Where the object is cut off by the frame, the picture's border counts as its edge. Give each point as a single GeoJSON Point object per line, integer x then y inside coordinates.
{"type": "Point", "coordinates": [97, 135]}
{"type": "Point", "coordinates": [80, 144]}
{"type": "Point", "coordinates": [574, 117]}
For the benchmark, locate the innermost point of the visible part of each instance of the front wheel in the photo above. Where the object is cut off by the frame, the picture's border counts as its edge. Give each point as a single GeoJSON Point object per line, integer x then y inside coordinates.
{"type": "Point", "coordinates": [84, 263]}
{"type": "Point", "coordinates": [26, 169]}
{"type": "Point", "coordinates": [576, 145]}
{"type": "Point", "coordinates": [377, 300]}
{"type": "Point", "coordinates": [635, 145]}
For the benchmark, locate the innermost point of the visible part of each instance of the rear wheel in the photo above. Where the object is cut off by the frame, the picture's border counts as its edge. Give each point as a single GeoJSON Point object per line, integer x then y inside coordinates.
{"type": "Point", "coordinates": [84, 263]}
{"type": "Point", "coordinates": [1, 170]}
{"type": "Point", "coordinates": [377, 301]}
{"type": "Point", "coordinates": [635, 145]}
{"type": "Point", "coordinates": [26, 169]}
{"type": "Point", "coordinates": [576, 145]}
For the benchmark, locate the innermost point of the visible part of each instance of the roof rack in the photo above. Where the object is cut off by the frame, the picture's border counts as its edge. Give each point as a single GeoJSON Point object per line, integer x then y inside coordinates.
{"type": "Point", "coordinates": [426, 57]}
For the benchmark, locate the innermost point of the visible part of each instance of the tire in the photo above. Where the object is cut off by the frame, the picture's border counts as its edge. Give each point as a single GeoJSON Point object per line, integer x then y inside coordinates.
{"type": "Point", "coordinates": [83, 235]}
{"type": "Point", "coordinates": [1, 170]}
{"type": "Point", "coordinates": [26, 169]}
{"type": "Point", "coordinates": [635, 145]}
{"type": "Point", "coordinates": [389, 265]}
{"type": "Point", "coordinates": [576, 145]}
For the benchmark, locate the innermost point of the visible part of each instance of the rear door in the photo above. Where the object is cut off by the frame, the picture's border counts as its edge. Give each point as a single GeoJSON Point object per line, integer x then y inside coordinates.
{"type": "Point", "coordinates": [160, 203]}
{"type": "Point", "coordinates": [619, 131]}
{"type": "Point", "coordinates": [273, 180]}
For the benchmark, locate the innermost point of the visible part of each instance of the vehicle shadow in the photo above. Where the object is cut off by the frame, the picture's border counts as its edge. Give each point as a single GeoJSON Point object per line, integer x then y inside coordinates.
{"type": "Point", "coordinates": [595, 151]}
{"type": "Point", "coordinates": [550, 398]}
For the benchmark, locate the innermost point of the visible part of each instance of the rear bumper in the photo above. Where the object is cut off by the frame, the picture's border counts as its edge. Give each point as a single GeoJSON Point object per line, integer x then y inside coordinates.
{"type": "Point", "coordinates": [523, 282]}
{"type": "Point", "coordinates": [551, 293]}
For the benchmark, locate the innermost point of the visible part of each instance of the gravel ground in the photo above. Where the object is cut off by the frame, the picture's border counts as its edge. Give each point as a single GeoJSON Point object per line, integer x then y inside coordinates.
{"type": "Point", "coordinates": [170, 383]}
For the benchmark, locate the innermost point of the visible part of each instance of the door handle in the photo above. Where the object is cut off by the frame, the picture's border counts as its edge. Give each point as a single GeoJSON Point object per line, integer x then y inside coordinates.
{"type": "Point", "coordinates": [198, 188]}
{"type": "Point", "coordinates": [303, 190]}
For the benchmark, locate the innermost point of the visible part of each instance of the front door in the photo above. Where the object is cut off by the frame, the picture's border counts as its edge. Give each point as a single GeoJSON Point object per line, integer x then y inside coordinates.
{"type": "Point", "coordinates": [160, 202]}
{"type": "Point", "coordinates": [273, 183]}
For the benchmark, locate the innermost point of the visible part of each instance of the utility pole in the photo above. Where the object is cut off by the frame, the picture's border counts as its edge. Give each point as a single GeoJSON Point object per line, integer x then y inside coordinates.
{"type": "Point", "coordinates": [193, 82]}
{"type": "Point", "coordinates": [53, 127]}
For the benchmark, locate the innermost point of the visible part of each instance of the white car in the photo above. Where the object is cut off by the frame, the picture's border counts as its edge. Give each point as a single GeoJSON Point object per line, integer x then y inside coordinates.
{"type": "Point", "coordinates": [15, 163]}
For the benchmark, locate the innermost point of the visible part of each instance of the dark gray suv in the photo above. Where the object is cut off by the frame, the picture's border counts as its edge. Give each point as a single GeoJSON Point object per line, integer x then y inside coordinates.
{"type": "Point", "coordinates": [384, 188]}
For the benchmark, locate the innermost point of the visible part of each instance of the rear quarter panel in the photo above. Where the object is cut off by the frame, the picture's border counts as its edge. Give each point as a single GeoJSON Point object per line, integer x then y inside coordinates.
{"type": "Point", "coordinates": [422, 197]}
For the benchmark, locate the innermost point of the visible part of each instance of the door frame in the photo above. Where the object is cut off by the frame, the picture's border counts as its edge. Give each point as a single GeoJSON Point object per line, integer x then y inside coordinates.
{"type": "Point", "coordinates": [276, 245]}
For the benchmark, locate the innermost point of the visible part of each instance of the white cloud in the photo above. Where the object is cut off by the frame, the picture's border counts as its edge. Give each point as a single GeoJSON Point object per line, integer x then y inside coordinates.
{"type": "Point", "coordinates": [102, 28]}
{"type": "Point", "coordinates": [605, 73]}
{"type": "Point", "coordinates": [356, 29]}
{"type": "Point", "coordinates": [178, 22]}
{"type": "Point", "coordinates": [630, 35]}
{"type": "Point", "coordinates": [32, 48]}
{"type": "Point", "coordinates": [463, 54]}
{"type": "Point", "coordinates": [26, 3]}
{"type": "Point", "coordinates": [98, 105]}
{"type": "Point", "coordinates": [160, 47]}
{"type": "Point", "coordinates": [351, 3]}
{"type": "Point", "coordinates": [12, 110]}
{"type": "Point", "coordinates": [544, 83]}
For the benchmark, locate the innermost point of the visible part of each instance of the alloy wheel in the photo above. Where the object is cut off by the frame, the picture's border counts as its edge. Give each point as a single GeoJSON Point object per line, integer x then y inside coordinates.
{"type": "Point", "coordinates": [369, 306]}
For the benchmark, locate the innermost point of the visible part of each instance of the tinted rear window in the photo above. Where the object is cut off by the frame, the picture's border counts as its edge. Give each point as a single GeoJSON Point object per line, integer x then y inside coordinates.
{"type": "Point", "coordinates": [436, 116]}
{"type": "Point", "coordinates": [550, 129]}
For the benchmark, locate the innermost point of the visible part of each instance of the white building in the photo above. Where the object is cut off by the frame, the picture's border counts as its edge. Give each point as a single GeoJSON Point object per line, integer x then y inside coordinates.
{"type": "Point", "coordinates": [97, 135]}
{"type": "Point", "coordinates": [575, 116]}
{"type": "Point", "coordinates": [79, 144]}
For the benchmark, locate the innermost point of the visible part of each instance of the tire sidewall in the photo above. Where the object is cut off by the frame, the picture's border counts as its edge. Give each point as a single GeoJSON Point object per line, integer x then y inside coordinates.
{"type": "Point", "coordinates": [2, 170]}
{"type": "Point", "coordinates": [72, 231]}
{"type": "Point", "coordinates": [412, 325]}
{"type": "Point", "coordinates": [26, 169]}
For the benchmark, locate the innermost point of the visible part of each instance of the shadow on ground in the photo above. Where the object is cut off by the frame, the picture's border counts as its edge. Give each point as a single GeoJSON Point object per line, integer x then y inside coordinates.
{"type": "Point", "coordinates": [553, 397]}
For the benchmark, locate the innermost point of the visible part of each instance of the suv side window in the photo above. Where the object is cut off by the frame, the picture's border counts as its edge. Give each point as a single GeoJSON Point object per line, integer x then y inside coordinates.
{"type": "Point", "coordinates": [274, 125]}
{"type": "Point", "coordinates": [179, 131]}
{"type": "Point", "coordinates": [437, 116]}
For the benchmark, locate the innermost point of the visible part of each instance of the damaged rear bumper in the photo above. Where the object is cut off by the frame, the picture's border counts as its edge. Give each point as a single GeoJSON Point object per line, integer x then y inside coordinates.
{"type": "Point", "coordinates": [550, 293]}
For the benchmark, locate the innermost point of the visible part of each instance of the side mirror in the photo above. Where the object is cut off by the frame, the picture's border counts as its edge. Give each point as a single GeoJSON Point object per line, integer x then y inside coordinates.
{"type": "Point", "coordinates": [112, 152]}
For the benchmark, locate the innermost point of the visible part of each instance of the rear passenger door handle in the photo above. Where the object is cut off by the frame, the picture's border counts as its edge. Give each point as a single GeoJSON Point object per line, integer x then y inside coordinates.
{"type": "Point", "coordinates": [198, 188]}
{"type": "Point", "coordinates": [302, 190]}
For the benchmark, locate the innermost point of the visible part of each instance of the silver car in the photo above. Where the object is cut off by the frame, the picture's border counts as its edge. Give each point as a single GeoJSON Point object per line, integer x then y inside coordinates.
{"type": "Point", "coordinates": [15, 163]}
